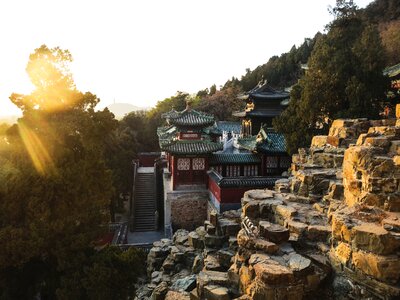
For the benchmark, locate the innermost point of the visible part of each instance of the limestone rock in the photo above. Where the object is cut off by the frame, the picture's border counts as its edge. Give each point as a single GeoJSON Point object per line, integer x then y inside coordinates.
{"type": "Point", "coordinates": [251, 210]}
{"type": "Point", "coordinates": [180, 236]}
{"type": "Point", "coordinates": [198, 264]}
{"type": "Point", "coordinates": [160, 291]}
{"type": "Point", "coordinates": [211, 278]}
{"type": "Point", "coordinates": [300, 265]}
{"type": "Point", "coordinates": [195, 240]}
{"type": "Point", "coordinates": [214, 241]}
{"type": "Point", "coordinates": [343, 253]}
{"type": "Point", "coordinates": [385, 268]}
{"type": "Point", "coordinates": [318, 232]}
{"type": "Point", "coordinates": [174, 295]}
{"type": "Point", "coordinates": [215, 292]}
{"type": "Point", "coordinates": [374, 238]}
{"type": "Point", "coordinates": [271, 272]}
{"type": "Point", "coordinates": [273, 232]}
{"type": "Point", "coordinates": [229, 227]}
{"type": "Point", "coordinates": [212, 263]}
{"type": "Point", "coordinates": [185, 284]}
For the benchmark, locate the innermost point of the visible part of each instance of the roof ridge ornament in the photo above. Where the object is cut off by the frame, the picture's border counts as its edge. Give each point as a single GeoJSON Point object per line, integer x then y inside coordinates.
{"type": "Point", "coordinates": [188, 105]}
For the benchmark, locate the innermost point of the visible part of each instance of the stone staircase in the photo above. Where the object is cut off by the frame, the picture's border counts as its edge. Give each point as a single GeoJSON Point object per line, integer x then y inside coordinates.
{"type": "Point", "coordinates": [145, 202]}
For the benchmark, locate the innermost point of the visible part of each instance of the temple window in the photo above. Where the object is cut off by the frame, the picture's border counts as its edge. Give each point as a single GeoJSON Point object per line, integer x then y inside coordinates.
{"type": "Point", "coordinates": [183, 164]}
{"type": "Point", "coordinates": [285, 162]}
{"type": "Point", "coordinates": [232, 171]}
{"type": "Point", "coordinates": [271, 164]}
{"type": "Point", "coordinates": [198, 163]}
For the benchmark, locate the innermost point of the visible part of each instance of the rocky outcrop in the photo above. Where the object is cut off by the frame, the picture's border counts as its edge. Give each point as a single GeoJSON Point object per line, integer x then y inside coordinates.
{"type": "Point", "coordinates": [329, 231]}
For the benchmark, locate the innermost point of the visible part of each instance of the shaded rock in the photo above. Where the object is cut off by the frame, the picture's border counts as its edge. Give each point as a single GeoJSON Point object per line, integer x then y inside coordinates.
{"type": "Point", "coordinates": [214, 241]}
{"type": "Point", "coordinates": [229, 227]}
{"type": "Point", "coordinates": [225, 257]}
{"type": "Point", "coordinates": [211, 278]}
{"type": "Point", "coordinates": [160, 291]}
{"type": "Point", "coordinates": [168, 264]}
{"type": "Point", "coordinates": [184, 284]}
{"type": "Point", "coordinates": [180, 236]}
{"type": "Point", "coordinates": [318, 232]}
{"type": "Point", "coordinates": [214, 292]}
{"type": "Point", "coordinates": [195, 240]}
{"type": "Point", "coordinates": [173, 295]}
{"type": "Point", "coordinates": [256, 244]}
{"type": "Point", "coordinates": [267, 207]}
{"type": "Point", "coordinates": [212, 263]}
{"type": "Point", "coordinates": [251, 210]}
{"type": "Point", "coordinates": [198, 264]}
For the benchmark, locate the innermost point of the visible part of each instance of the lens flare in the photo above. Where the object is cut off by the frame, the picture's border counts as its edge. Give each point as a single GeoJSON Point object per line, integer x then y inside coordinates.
{"type": "Point", "coordinates": [37, 151]}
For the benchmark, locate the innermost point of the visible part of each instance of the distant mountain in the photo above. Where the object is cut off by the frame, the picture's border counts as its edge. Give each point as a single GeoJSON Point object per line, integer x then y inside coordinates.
{"type": "Point", "coordinates": [121, 109]}
{"type": "Point", "coordinates": [8, 119]}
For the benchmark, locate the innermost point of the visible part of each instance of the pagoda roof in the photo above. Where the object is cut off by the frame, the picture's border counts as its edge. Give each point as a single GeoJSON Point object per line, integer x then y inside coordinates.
{"type": "Point", "coordinates": [265, 92]}
{"type": "Point", "coordinates": [188, 118]}
{"type": "Point", "coordinates": [234, 158]}
{"type": "Point", "coordinates": [170, 114]}
{"type": "Point", "coordinates": [270, 112]}
{"type": "Point", "coordinates": [272, 142]}
{"type": "Point", "coordinates": [228, 126]}
{"type": "Point", "coordinates": [191, 147]}
{"type": "Point", "coordinates": [243, 181]}
{"type": "Point", "coordinates": [267, 141]}
{"type": "Point", "coordinates": [392, 71]}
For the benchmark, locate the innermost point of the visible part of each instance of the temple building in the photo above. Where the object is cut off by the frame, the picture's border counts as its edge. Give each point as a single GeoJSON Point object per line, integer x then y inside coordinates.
{"type": "Point", "coordinates": [393, 73]}
{"type": "Point", "coordinates": [263, 103]}
{"type": "Point", "coordinates": [210, 164]}
{"type": "Point", "coordinates": [188, 146]}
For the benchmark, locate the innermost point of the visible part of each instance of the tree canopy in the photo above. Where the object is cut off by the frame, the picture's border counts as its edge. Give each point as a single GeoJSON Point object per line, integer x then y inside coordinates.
{"type": "Point", "coordinates": [54, 203]}
{"type": "Point", "coordinates": [344, 79]}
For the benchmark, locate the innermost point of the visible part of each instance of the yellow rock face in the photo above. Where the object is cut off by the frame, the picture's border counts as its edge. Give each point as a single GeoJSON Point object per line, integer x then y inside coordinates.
{"type": "Point", "coordinates": [343, 253]}
{"type": "Point", "coordinates": [385, 268]}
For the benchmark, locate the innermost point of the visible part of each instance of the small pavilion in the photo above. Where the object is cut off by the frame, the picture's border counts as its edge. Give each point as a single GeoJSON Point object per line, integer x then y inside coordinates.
{"type": "Point", "coordinates": [188, 146]}
{"type": "Point", "coordinates": [263, 103]}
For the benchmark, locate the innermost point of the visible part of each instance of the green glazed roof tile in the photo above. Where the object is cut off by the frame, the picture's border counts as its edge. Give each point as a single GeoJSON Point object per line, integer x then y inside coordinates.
{"type": "Point", "coordinates": [191, 147]}
{"type": "Point", "coordinates": [189, 117]}
{"type": "Point", "coordinates": [234, 158]}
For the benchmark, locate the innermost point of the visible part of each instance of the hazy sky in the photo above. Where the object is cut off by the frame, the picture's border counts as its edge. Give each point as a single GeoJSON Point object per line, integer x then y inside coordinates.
{"type": "Point", "coordinates": [141, 52]}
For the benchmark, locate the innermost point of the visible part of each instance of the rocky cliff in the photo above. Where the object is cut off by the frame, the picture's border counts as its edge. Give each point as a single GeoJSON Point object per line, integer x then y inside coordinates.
{"type": "Point", "coordinates": [330, 231]}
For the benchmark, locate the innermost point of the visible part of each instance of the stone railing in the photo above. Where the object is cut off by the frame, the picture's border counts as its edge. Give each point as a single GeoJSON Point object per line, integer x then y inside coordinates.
{"type": "Point", "coordinates": [135, 166]}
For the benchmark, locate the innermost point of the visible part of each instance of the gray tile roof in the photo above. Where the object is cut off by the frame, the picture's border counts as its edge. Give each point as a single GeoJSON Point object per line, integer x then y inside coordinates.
{"type": "Point", "coordinates": [189, 117]}
{"type": "Point", "coordinates": [229, 126]}
{"type": "Point", "coordinates": [243, 182]}
{"type": "Point", "coordinates": [191, 147]}
{"type": "Point", "coordinates": [392, 71]}
{"type": "Point", "coordinates": [267, 141]}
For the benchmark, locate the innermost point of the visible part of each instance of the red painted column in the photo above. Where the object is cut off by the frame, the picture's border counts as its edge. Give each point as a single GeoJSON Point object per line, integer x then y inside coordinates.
{"type": "Point", "coordinates": [174, 170]}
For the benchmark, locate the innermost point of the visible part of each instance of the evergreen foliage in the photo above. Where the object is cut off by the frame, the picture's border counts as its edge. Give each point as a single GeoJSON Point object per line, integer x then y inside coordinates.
{"type": "Point", "coordinates": [344, 79]}
{"type": "Point", "coordinates": [55, 187]}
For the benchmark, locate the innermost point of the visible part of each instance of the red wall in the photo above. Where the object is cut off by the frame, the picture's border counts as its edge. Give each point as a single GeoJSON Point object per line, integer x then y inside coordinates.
{"type": "Point", "coordinates": [226, 195]}
{"type": "Point", "coordinates": [147, 160]}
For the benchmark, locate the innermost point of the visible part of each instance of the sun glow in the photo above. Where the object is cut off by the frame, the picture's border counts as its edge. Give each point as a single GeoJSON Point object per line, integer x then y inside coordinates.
{"type": "Point", "coordinates": [37, 150]}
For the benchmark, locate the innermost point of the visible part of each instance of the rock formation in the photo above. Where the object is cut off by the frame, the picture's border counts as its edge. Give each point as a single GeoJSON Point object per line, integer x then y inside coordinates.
{"type": "Point", "coordinates": [329, 231]}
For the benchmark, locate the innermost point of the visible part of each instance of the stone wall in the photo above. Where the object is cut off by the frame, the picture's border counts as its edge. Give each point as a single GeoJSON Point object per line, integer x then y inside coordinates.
{"type": "Point", "coordinates": [188, 208]}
